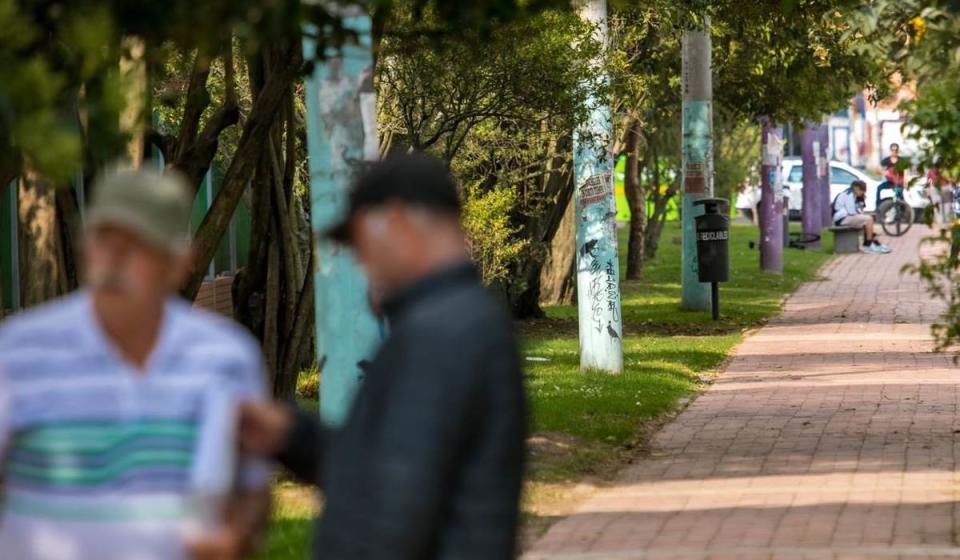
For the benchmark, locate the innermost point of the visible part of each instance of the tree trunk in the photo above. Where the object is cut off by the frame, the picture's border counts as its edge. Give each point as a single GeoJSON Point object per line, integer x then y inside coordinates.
{"type": "Point", "coordinates": [286, 384]}
{"type": "Point", "coordinates": [636, 200]}
{"type": "Point", "coordinates": [557, 278]}
{"type": "Point", "coordinates": [256, 131]}
{"type": "Point", "coordinates": [271, 306]}
{"type": "Point", "coordinates": [69, 227]}
{"type": "Point", "coordinates": [275, 291]}
{"type": "Point", "coordinates": [248, 305]}
{"type": "Point", "coordinates": [542, 229]}
{"type": "Point", "coordinates": [133, 69]}
{"type": "Point", "coordinates": [41, 274]}
{"type": "Point", "coordinates": [657, 217]}
{"type": "Point", "coordinates": [651, 241]}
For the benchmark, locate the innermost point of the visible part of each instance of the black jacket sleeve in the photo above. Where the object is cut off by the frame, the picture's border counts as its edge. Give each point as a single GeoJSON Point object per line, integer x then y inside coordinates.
{"type": "Point", "coordinates": [304, 446]}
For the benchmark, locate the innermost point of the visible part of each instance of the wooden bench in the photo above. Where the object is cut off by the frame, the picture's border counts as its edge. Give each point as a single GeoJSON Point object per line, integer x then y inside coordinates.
{"type": "Point", "coordinates": [846, 239]}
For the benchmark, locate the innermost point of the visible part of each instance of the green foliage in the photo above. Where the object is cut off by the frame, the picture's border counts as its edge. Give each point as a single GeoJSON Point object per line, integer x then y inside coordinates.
{"type": "Point", "coordinates": [500, 106]}
{"type": "Point", "coordinates": [493, 241]}
{"type": "Point", "coordinates": [791, 65]}
{"type": "Point", "coordinates": [939, 274]}
{"type": "Point", "coordinates": [39, 80]}
{"type": "Point", "coordinates": [308, 385]}
{"type": "Point", "coordinates": [60, 88]}
{"type": "Point", "coordinates": [935, 120]}
{"type": "Point", "coordinates": [736, 153]}
{"type": "Point", "coordinates": [435, 92]}
{"type": "Point", "coordinates": [923, 37]}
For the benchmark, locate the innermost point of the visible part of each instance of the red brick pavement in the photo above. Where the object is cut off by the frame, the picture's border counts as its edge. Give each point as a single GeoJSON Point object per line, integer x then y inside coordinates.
{"type": "Point", "coordinates": [832, 434]}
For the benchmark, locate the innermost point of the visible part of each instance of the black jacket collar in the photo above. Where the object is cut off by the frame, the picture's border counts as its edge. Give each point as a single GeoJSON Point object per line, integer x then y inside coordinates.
{"type": "Point", "coordinates": [455, 275]}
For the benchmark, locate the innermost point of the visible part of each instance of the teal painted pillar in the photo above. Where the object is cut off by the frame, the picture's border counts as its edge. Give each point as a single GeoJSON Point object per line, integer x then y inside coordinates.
{"type": "Point", "coordinates": [697, 165]}
{"type": "Point", "coordinates": [341, 136]}
{"type": "Point", "coordinates": [598, 264]}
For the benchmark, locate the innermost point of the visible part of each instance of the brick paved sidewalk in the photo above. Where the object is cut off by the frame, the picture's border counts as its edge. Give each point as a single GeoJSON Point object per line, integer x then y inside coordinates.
{"type": "Point", "coordinates": [832, 434]}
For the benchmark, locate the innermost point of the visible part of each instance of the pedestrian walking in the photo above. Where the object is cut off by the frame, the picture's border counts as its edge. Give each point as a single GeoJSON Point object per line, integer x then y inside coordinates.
{"type": "Point", "coordinates": [118, 402]}
{"type": "Point", "coordinates": [428, 464]}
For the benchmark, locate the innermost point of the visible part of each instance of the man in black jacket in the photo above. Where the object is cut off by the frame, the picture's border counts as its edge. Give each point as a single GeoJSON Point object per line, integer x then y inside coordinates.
{"type": "Point", "coordinates": [429, 462]}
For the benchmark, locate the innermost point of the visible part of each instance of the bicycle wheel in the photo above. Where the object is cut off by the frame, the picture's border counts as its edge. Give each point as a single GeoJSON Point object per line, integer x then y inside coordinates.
{"type": "Point", "coordinates": [895, 217]}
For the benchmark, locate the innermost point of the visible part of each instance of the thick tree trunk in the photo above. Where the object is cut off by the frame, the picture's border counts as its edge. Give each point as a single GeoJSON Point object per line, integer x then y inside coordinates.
{"type": "Point", "coordinates": [637, 202]}
{"type": "Point", "coordinates": [542, 229]}
{"type": "Point", "coordinates": [41, 271]}
{"type": "Point", "coordinates": [557, 278]}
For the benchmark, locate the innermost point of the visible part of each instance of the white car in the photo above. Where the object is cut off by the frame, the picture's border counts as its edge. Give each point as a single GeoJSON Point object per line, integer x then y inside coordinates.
{"type": "Point", "coordinates": [841, 175]}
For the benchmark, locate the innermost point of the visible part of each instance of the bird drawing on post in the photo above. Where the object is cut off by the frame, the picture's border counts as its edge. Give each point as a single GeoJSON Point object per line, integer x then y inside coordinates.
{"type": "Point", "coordinates": [588, 247]}
{"type": "Point", "coordinates": [612, 331]}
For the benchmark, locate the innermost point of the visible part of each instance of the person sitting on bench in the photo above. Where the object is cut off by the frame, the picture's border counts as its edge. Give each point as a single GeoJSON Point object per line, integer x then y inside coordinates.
{"type": "Point", "coordinates": [848, 211]}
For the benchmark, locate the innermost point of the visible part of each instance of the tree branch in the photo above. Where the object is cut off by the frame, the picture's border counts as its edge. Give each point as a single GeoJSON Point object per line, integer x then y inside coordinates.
{"type": "Point", "coordinates": [197, 100]}
{"type": "Point", "coordinates": [254, 136]}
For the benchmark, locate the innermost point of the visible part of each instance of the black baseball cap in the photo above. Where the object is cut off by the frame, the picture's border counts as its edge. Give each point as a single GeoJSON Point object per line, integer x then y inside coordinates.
{"type": "Point", "coordinates": [412, 178]}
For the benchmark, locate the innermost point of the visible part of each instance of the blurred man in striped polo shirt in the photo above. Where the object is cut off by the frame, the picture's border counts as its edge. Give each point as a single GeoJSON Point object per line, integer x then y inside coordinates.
{"type": "Point", "coordinates": [116, 402]}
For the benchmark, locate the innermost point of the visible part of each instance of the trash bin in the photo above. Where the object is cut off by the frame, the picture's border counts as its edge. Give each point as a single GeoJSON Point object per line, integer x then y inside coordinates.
{"type": "Point", "coordinates": [713, 241]}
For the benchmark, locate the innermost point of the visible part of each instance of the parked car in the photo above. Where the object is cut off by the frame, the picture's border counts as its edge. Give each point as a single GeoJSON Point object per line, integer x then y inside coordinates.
{"type": "Point", "coordinates": [841, 175]}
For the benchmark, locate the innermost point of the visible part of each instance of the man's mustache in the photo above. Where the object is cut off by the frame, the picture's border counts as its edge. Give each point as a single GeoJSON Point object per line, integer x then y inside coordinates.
{"type": "Point", "coordinates": [110, 279]}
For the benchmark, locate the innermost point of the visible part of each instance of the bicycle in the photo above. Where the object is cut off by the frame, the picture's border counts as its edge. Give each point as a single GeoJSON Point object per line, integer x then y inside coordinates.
{"type": "Point", "coordinates": [894, 214]}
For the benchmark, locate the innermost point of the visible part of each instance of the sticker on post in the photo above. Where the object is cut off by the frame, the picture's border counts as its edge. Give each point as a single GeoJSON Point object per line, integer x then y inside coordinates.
{"type": "Point", "coordinates": [773, 149]}
{"type": "Point", "coordinates": [596, 189]}
{"type": "Point", "coordinates": [695, 177]}
{"type": "Point", "coordinates": [371, 140]}
{"type": "Point", "coordinates": [697, 146]}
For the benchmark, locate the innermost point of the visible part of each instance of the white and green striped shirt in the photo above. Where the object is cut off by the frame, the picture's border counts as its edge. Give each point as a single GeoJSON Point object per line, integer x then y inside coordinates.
{"type": "Point", "coordinates": [98, 460]}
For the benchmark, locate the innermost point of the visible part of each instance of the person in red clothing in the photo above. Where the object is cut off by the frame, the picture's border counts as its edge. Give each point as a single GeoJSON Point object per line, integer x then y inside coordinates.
{"type": "Point", "coordinates": [891, 171]}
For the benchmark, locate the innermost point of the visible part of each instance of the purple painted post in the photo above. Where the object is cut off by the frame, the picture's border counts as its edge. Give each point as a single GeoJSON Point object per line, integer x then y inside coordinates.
{"type": "Point", "coordinates": [812, 191]}
{"type": "Point", "coordinates": [771, 199]}
{"type": "Point", "coordinates": [826, 200]}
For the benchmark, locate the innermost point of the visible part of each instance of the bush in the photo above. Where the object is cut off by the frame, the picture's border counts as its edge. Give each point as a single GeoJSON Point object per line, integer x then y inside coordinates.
{"type": "Point", "coordinates": [308, 384]}
{"type": "Point", "coordinates": [492, 239]}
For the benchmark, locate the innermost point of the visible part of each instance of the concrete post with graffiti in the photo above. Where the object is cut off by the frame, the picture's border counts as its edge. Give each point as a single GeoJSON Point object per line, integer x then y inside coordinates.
{"type": "Point", "coordinates": [697, 165]}
{"type": "Point", "coordinates": [341, 136]}
{"type": "Point", "coordinates": [598, 264]}
{"type": "Point", "coordinates": [812, 214]}
{"type": "Point", "coordinates": [826, 200]}
{"type": "Point", "coordinates": [771, 199]}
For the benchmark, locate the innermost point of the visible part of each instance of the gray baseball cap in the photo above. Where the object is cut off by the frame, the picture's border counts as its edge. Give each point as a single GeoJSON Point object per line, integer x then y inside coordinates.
{"type": "Point", "coordinates": [155, 206]}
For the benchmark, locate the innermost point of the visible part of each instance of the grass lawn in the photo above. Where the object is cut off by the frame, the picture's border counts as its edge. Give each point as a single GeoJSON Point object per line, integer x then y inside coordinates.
{"type": "Point", "coordinates": [587, 424]}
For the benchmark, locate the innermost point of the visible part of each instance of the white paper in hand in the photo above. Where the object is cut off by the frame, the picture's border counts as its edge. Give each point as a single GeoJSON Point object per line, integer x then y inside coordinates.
{"type": "Point", "coordinates": [214, 460]}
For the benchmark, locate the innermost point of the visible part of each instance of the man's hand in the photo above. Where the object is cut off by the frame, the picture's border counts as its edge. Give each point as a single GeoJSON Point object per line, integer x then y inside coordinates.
{"type": "Point", "coordinates": [223, 545]}
{"type": "Point", "coordinates": [264, 428]}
